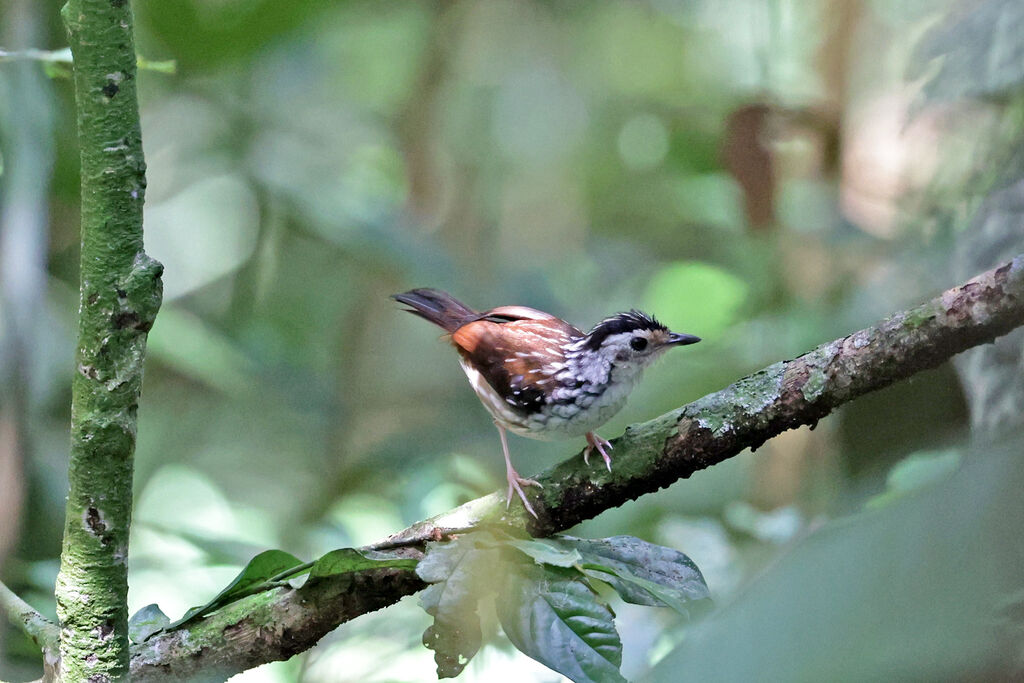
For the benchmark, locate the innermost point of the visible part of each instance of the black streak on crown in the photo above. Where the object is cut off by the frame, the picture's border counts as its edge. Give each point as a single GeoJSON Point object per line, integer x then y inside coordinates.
{"type": "Point", "coordinates": [619, 323]}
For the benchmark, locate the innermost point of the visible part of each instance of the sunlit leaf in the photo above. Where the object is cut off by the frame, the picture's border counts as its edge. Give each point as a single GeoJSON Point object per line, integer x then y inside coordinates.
{"type": "Point", "coordinates": [347, 560]}
{"type": "Point", "coordinates": [265, 566]}
{"type": "Point", "coordinates": [147, 621]}
{"type": "Point", "coordinates": [696, 297]}
{"type": "Point", "coordinates": [219, 212]}
{"type": "Point", "coordinates": [547, 552]}
{"type": "Point", "coordinates": [460, 573]}
{"type": "Point", "coordinates": [553, 616]}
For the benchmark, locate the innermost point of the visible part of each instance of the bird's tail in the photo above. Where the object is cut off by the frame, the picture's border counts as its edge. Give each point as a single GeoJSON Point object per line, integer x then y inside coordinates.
{"type": "Point", "coordinates": [440, 308]}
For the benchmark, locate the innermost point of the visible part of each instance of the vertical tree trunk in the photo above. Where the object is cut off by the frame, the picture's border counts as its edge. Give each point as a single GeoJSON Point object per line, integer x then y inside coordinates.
{"type": "Point", "coordinates": [120, 294]}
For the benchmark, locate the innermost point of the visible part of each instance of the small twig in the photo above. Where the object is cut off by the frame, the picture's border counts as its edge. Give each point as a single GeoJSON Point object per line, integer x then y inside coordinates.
{"type": "Point", "coordinates": [41, 630]}
{"type": "Point", "coordinates": [63, 57]}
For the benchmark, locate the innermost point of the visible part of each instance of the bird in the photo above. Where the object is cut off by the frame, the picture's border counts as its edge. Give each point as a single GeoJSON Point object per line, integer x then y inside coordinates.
{"type": "Point", "coordinates": [541, 377]}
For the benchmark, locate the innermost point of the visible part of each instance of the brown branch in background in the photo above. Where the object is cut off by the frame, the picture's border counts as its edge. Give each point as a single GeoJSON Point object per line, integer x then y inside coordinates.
{"type": "Point", "coordinates": [279, 623]}
{"type": "Point", "coordinates": [748, 158]}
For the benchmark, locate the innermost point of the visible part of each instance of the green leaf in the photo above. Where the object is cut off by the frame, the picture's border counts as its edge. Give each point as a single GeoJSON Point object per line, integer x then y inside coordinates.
{"type": "Point", "coordinates": [553, 616]}
{"type": "Point", "coordinates": [718, 305]}
{"type": "Point", "coordinates": [913, 472]}
{"type": "Point", "coordinates": [460, 573]}
{"type": "Point", "coordinates": [547, 552]}
{"type": "Point", "coordinates": [348, 560]}
{"type": "Point", "coordinates": [273, 566]}
{"type": "Point", "coordinates": [147, 621]}
{"type": "Point", "coordinates": [642, 573]}
{"type": "Point", "coordinates": [265, 566]}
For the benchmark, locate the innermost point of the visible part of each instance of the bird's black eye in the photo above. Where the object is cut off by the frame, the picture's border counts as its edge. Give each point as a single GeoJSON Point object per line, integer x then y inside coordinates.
{"type": "Point", "coordinates": [638, 343]}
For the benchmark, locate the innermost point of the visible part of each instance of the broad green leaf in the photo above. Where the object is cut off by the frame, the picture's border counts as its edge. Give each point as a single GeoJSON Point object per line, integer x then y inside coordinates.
{"type": "Point", "coordinates": [265, 566]}
{"type": "Point", "coordinates": [460, 573]}
{"type": "Point", "coordinates": [917, 591]}
{"type": "Point", "coordinates": [553, 616]}
{"type": "Point", "coordinates": [634, 567]}
{"type": "Point", "coordinates": [347, 560]}
{"type": "Point", "coordinates": [547, 552]}
{"type": "Point", "coordinates": [147, 621]}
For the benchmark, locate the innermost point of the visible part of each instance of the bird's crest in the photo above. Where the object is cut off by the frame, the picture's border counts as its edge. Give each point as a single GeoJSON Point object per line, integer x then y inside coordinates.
{"type": "Point", "coordinates": [629, 321]}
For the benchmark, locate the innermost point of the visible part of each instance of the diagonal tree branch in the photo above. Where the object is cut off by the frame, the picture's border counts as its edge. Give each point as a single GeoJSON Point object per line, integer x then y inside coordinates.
{"type": "Point", "coordinates": [787, 395]}
{"type": "Point", "coordinates": [282, 622]}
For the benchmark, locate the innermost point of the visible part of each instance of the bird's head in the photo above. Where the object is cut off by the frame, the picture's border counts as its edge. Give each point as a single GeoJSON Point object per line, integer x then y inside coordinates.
{"type": "Point", "coordinates": [631, 341]}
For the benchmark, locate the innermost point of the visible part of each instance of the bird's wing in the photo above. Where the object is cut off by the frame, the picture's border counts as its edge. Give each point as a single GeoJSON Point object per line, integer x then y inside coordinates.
{"type": "Point", "coordinates": [519, 356]}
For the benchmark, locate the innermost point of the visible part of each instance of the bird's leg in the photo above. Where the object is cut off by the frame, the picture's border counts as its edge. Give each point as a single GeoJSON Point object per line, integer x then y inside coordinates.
{"type": "Point", "coordinates": [596, 442]}
{"type": "Point", "coordinates": [515, 482]}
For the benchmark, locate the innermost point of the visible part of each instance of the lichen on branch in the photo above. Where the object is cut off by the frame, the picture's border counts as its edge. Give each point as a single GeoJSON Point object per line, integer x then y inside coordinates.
{"type": "Point", "coordinates": [120, 292]}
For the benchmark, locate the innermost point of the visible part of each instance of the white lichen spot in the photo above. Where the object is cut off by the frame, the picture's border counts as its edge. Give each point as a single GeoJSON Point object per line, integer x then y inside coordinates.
{"type": "Point", "coordinates": [860, 340]}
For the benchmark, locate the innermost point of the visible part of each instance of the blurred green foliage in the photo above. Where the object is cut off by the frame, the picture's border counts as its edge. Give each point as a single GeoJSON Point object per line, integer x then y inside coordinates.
{"type": "Point", "coordinates": [308, 159]}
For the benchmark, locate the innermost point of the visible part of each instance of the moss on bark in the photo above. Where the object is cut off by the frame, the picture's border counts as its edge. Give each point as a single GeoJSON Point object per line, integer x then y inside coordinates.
{"type": "Point", "coordinates": [119, 297]}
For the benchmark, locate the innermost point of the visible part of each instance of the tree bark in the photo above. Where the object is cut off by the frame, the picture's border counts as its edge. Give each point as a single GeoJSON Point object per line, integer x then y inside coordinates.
{"type": "Point", "coordinates": [120, 294]}
{"type": "Point", "coordinates": [281, 622]}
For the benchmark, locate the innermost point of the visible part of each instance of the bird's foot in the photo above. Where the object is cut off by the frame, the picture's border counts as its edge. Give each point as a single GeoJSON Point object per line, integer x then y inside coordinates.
{"type": "Point", "coordinates": [516, 483]}
{"type": "Point", "coordinates": [596, 442]}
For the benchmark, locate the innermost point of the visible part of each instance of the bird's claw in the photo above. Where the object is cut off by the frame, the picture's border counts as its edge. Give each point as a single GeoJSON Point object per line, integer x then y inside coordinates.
{"type": "Point", "coordinates": [596, 442]}
{"type": "Point", "coordinates": [516, 483]}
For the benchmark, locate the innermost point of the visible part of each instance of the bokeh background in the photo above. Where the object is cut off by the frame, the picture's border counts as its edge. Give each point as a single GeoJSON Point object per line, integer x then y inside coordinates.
{"type": "Point", "coordinates": [766, 174]}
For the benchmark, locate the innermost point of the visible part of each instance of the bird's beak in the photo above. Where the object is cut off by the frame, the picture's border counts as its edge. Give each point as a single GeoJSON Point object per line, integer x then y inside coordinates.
{"type": "Point", "coordinates": [682, 339]}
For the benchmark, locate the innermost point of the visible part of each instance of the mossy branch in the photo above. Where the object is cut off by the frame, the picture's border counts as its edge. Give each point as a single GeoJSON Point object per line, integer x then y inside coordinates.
{"type": "Point", "coordinates": [41, 630]}
{"type": "Point", "coordinates": [120, 294]}
{"type": "Point", "coordinates": [282, 622]}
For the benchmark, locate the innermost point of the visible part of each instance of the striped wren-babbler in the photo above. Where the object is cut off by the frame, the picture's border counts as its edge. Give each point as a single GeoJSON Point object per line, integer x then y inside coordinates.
{"type": "Point", "coordinates": [541, 377]}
